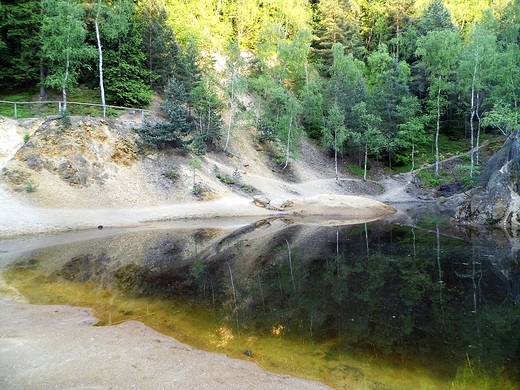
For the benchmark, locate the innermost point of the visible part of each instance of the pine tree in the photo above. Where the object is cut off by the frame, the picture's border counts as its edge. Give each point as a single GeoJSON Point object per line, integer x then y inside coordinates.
{"type": "Point", "coordinates": [126, 73]}
{"type": "Point", "coordinates": [175, 132]}
{"type": "Point", "coordinates": [159, 43]}
{"type": "Point", "coordinates": [20, 43]}
{"type": "Point", "coordinates": [206, 115]}
{"type": "Point", "coordinates": [338, 22]}
{"type": "Point", "coordinates": [436, 17]}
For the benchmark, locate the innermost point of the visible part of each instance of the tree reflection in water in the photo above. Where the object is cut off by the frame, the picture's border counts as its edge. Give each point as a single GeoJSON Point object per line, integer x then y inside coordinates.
{"type": "Point", "coordinates": [397, 294]}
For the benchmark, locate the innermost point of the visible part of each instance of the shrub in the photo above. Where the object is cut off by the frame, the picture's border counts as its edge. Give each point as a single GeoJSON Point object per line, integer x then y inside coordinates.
{"type": "Point", "coordinates": [65, 118]}
{"type": "Point", "coordinates": [427, 179]}
{"type": "Point", "coordinates": [236, 176]}
{"type": "Point", "coordinates": [225, 179]}
{"type": "Point", "coordinates": [196, 190]}
{"type": "Point", "coordinates": [29, 187]}
{"type": "Point", "coordinates": [172, 173]}
{"type": "Point", "coordinates": [247, 188]}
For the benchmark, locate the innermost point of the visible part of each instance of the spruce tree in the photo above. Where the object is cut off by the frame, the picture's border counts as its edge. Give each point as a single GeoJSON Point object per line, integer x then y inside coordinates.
{"type": "Point", "coordinates": [126, 73]}
{"type": "Point", "coordinates": [159, 44]}
{"type": "Point", "coordinates": [20, 43]}
{"type": "Point", "coordinates": [175, 132]}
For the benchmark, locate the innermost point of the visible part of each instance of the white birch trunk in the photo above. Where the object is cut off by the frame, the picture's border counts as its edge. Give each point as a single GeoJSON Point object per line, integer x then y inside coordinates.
{"type": "Point", "coordinates": [366, 159]}
{"type": "Point", "coordinates": [231, 107]}
{"type": "Point", "coordinates": [64, 88]}
{"type": "Point", "coordinates": [288, 151]}
{"type": "Point", "coordinates": [100, 51]}
{"type": "Point", "coordinates": [336, 153]}
{"type": "Point", "coordinates": [437, 130]}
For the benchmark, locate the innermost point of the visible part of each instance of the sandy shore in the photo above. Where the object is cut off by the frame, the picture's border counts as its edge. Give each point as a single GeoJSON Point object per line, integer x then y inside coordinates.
{"type": "Point", "coordinates": [22, 219]}
{"type": "Point", "coordinates": [57, 347]}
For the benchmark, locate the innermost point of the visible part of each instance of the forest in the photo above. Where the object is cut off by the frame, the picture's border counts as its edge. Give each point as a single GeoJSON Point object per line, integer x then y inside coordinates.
{"type": "Point", "coordinates": [391, 80]}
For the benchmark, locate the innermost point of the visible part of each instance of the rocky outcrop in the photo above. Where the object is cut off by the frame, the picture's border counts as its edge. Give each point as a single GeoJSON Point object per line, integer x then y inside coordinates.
{"type": "Point", "coordinates": [496, 200]}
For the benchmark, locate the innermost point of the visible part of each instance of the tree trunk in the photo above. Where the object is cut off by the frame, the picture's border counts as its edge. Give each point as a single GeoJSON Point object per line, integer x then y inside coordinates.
{"type": "Point", "coordinates": [413, 156]}
{"type": "Point", "coordinates": [217, 11]}
{"type": "Point", "coordinates": [288, 151]}
{"type": "Point", "coordinates": [336, 164]}
{"type": "Point", "coordinates": [336, 154]}
{"type": "Point", "coordinates": [437, 130]}
{"type": "Point", "coordinates": [231, 107]}
{"type": "Point", "coordinates": [64, 87]}
{"type": "Point", "coordinates": [100, 51]}
{"type": "Point", "coordinates": [43, 91]}
{"type": "Point", "coordinates": [366, 159]}
{"type": "Point", "coordinates": [472, 141]}
{"type": "Point", "coordinates": [397, 36]}
{"type": "Point", "coordinates": [474, 104]}
{"type": "Point", "coordinates": [477, 143]}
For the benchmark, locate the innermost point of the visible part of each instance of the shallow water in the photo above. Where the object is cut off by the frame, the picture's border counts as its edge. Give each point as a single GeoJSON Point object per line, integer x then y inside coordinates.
{"type": "Point", "coordinates": [371, 306]}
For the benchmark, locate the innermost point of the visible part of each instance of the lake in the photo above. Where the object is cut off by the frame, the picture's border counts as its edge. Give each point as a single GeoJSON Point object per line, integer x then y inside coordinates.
{"type": "Point", "coordinates": [408, 302]}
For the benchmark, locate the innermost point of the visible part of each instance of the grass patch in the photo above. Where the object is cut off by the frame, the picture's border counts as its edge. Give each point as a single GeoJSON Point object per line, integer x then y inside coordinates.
{"type": "Point", "coordinates": [355, 170]}
{"type": "Point", "coordinates": [225, 179]}
{"type": "Point", "coordinates": [80, 94]}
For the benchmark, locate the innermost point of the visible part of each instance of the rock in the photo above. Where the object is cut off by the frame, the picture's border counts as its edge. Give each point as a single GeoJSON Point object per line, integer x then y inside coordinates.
{"type": "Point", "coordinates": [286, 204]}
{"type": "Point", "coordinates": [261, 201]}
{"type": "Point", "coordinates": [496, 200]}
{"type": "Point", "coordinates": [16, 176]}
{"type": "Point", "coordinates": [34, 162]}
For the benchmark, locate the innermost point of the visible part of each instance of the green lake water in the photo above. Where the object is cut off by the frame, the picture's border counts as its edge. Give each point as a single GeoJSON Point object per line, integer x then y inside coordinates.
{"type": "Point", "coordinates": [392, 304]}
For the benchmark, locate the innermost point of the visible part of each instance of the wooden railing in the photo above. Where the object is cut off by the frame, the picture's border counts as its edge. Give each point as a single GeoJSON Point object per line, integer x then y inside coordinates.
{"type": "Point", "coordinates": [59, 104]}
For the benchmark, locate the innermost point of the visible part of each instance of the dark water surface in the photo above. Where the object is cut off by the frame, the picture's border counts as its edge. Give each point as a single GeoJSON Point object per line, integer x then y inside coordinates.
{"type": "Point", "coordinates": [382, 305]}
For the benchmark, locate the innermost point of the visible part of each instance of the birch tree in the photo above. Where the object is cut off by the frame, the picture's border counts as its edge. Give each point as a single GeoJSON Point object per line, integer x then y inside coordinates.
{"type": "Point", "coordinates": [335, 133]}
{"type": "Point", "coordinates": [98, 14]}
{"type": "Point", "coordinates": [236, 84]}
{"type": "Point", "coordinates": [410, 132]}
{"type": "Point", "coordinates": [63, 43]}
{"type": "Point", "coordinates": [439, 51]}
{"type": "Point", "coordinates": [475, 64]}
{"type": "Point", "coordinates": [367, 134]}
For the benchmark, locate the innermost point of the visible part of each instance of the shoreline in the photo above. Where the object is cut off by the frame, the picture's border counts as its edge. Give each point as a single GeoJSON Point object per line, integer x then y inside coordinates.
{"type": "Point", "coordinates": [19, 220]}
{"type": "Point", "coordinates": [55, 346]}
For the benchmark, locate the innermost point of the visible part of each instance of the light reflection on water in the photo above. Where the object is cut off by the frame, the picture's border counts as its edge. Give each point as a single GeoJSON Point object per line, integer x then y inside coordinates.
{"type": "Point", "coordinates": [371, 306]}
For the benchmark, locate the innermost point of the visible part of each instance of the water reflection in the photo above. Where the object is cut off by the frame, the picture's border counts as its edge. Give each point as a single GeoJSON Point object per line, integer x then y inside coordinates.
{"type": "Point", "coordinates": [373, 306]}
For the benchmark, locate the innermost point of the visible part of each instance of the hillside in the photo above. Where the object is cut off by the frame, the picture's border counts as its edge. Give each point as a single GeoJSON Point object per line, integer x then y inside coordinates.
{"type": "Point", "coordinates": [93, 173]}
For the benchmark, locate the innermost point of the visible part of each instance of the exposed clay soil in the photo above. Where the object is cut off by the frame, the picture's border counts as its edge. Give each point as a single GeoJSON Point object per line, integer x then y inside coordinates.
{"type": "Point", "coordinates": [93, 174]}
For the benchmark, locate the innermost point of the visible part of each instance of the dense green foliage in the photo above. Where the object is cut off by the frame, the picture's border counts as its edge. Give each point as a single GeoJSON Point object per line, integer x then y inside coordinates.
{"type": "Point", "coordinates": [370, 79]}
